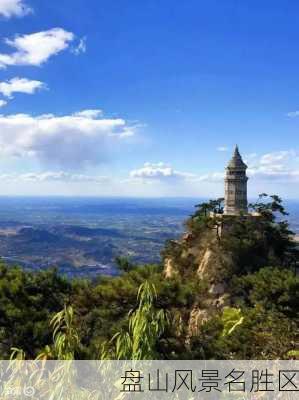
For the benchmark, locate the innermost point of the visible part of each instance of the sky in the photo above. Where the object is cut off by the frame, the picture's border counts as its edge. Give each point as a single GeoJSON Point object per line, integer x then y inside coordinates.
{"type": "Point", "coordinates": [147, 98]}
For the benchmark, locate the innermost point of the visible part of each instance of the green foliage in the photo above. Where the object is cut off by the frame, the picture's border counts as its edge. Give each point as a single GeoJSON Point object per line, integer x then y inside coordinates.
{"type": "Point", "coordinates": [262, 320]}
{"type": "Point", "coordinates": [124, 264]}
{"type": "Point", "coordinates": [103, 306]}
{"type": "Point", "coordinates": [265, 319]}
{"type": "Point", "coordinates": [17, 354]}
{"type": "Point", "coordinates": [65, 339]}
{"type": "Point", "coordinates": [262, 239]}
{"type": "Point", "coordinates": [214, 206]}
{"type": "Point", "coordinates": [27, 302]}
{"type": "Point", "coordinates": [65, 336]}
{"type": "Point", "coordinates": [172, 248]}
{"type": "Point", "coordinates": [293, 354]}
{"type": "Point", "coordinates": [231, 318]}
{"type": "Point", "coordinates": [268, 209]}
{"type": "Point", "coordinates": [145, 327]}
{"type": "Point", "coordinates": [261, 335]}
{"type": "Point", "coordinates": [206, 216]}
{"type": "Point", "coordinates": [273, 289]}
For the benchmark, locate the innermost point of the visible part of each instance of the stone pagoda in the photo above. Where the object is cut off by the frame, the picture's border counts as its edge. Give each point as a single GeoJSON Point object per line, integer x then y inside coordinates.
{"type": "Point", "coordinates": [235, 198]}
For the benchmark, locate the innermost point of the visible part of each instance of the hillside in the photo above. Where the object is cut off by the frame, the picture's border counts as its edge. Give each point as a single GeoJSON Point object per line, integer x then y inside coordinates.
{"type": "Point", "coordinates": [221, 251]}
{"type": "Point", "coordinates": [226, 290]}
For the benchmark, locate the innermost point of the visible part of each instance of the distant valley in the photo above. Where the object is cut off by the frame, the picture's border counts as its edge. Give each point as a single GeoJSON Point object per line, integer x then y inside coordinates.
{"type": "Point", "coordinates": [82, 237]}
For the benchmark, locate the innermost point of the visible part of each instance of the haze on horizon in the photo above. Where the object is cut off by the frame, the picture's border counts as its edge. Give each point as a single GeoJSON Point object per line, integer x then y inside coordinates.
{"type": "Point", "coordinates": [147, 99]}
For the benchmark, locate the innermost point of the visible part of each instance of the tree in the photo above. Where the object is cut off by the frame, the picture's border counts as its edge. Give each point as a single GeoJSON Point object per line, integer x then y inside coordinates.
{"type": "Point", "coordinates": [124, 264]}
{"type": "Point", "coordinates": [27, 302]}
{"type": "Point", "coordinates": [261, 239]}
{"type": "Point", "coordinates": [145, 327]}
{"type": "Point", "coordinates": [65, 335]}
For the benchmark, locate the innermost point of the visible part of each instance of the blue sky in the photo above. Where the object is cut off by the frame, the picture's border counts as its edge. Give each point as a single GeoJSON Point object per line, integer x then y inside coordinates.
{"type": "Point", "coordinates": [177, 83]}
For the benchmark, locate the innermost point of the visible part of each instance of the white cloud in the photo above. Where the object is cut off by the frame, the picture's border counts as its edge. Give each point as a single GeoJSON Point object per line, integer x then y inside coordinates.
{"type": "Point", "coordinates": [20, 85]}
{"type": "Point", "coordinates": [275, 157]}
{"type": "Point", "coordinates": [89, 113]}
{"type": "Point", "coordinates": [159, 171]}
{"type": "Point", "coordinates": [293, 114]}
{"type": "Point", "coordinates": [50, 176]}
{"type": "Point", "coordinates": [3, 103]}
{"type": "Point", "coordinates": [36, 48]}
{"type": "Point", "coordinates": [222, 148]}
{"type": "Point", "coordinates": [71, 141]}
{"type": "Point", "coordinates": [281, 165]}
{"type": "Point", "coordinates": [212, 177]}
{"type": "Point", "coordinates": [279, 173]}
{"type": "Point", "coordinates": [81, 47]}
{"type": "Point", "coordinates": [10, 8]}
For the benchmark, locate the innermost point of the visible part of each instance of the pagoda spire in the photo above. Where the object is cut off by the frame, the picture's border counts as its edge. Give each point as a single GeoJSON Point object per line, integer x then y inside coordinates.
{"type": "Point", "coordinates": [236, 160]}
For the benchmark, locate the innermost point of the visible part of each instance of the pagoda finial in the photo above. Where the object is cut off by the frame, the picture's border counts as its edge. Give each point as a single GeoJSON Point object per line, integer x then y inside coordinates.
{"type": "Point", "coordinates": [236, 152]}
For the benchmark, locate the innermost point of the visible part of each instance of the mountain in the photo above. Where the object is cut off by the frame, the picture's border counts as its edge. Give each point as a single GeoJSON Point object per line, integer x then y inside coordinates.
{"type": "Point", "coordinates": [221, 251]}
{"type": "Point", "coordinates": [227, 289]}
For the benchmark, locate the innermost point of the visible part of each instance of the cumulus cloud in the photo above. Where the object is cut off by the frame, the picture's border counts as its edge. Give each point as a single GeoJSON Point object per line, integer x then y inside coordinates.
{"type": "Point", "coordinates": [282, 166]}
{"type": "Point", "coordinates": [20, 85]}
{"type": "Point", "coordinates": [36, 48]}
{"type": "Point", "coordinates": [10, 8]}
{"type": "Point", "coordinates": [277, 157]}
{"type": "Point", "coordinates": [81, 46]}
{"type": "Point", "coordinates": [279, 165]}
{"type": "Point", "coordinates": [71, 140]}
{"type": "Point", "coordinates": [3, 103]}
{"type": "Point", "coordinates": [50, 176]}
{"type": "Point", "coordinates": [159, 171]}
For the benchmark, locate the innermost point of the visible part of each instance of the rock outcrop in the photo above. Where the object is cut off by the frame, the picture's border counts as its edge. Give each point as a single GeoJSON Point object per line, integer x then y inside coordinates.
{"type": "Point", "coordinates": [203, 257]}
